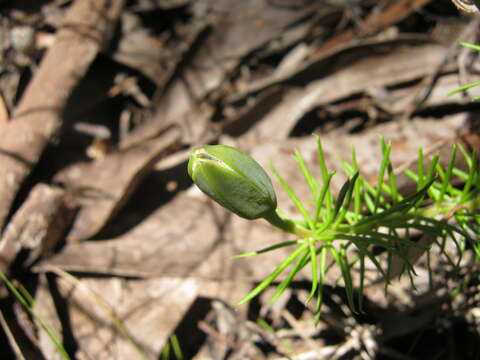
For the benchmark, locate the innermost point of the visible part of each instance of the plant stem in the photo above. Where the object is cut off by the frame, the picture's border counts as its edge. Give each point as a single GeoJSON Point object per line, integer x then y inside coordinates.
{"type": "Point", "coordinates": [447, 207]}
{"type": "Point", "coordinates": [286, 225]}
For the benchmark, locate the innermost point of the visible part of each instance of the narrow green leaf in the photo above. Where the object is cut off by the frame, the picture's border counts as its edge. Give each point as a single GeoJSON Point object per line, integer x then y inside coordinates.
{"type": "Point", "coordinates": [321, 282]}
{"type": "Point", "coordinates": [393, 183]}
{"type": "Point", "coordinates": [260, 287]}
{"type": "Point", "coordinates": [299, 265]}
{"type": "Point", "coordinates": [324, 192]}
{"type": "Point", "coordinates": [463, 88]}
{"type": "Point", "coordinates": [469, 45]}
{"type": "Point", "coordinates": [345, 270]}
{"type": "Point", "coordinates": [472, 177]}
{"type": "Point", "coordinates": [368, 200]}
{"type": "Point", "coordinates": [25, 303]}
{"type": "Point", "coordinates": [357, 189]}
{"type": "Point", "coordinates": [347, 168]}
{"type": "Point", "coordinates": [347, 200]}
{"type": "Point", "coordinates": [379, 239]}
{"type": "Point", "coordinates": [267, 249]}
{"type": "Point", "coordinates": [341, 197]}
{"type": "Point", "coordinates": [177, 350]}
{"type": "Point", "coordinates": [381, 173]}
{"type": "Point", "coordinates": [431, 176]}
{"type": "Point", "coordinates": [26, 295]}
{"type": "Point", "coordinates": [324, 173]}
{"type": "Point", "coordinates": [467, 157]}
{"type": "Point", "coordinates": [460, 174]}
{"type": "Point", "coordinates": [402, 206]}
{"type": "Point", "coordinates": [15, 291]}
{"type": "Point", "coordinates": [266, 326]}
{"type": "Point", "coordinates": [313, 262]}
{"type": "Point", "coordinates": [448, 174]}
{"type": "Point", "coordinates": [362, 283]}
{"type": "Point", "coordinates": [420, 169]}
{"type": "Point", "coordinates": [321, 159]}
{"type": "Point", "coordinates": [294, 198]}
{"type": "Point", "coordinates": [377, 265]}
{"type": "Point", "coordinates": [308, 176]}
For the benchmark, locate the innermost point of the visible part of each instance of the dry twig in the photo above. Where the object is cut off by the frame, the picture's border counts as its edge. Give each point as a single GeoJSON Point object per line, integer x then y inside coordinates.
{"type": "Point", "coordinates": [38, 117]}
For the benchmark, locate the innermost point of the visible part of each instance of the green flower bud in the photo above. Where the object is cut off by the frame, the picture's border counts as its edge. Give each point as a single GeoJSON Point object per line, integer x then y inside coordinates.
{"type": "Point", "coordinates": [234, 180]}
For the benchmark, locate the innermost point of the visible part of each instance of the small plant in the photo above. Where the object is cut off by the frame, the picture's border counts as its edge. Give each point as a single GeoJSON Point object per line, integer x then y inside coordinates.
{"type": "Point", "coordinates": [362, 217]}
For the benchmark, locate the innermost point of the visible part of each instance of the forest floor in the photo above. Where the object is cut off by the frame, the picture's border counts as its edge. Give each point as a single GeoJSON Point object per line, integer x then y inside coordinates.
{"type": "Point", "coordinates": [101, 102]}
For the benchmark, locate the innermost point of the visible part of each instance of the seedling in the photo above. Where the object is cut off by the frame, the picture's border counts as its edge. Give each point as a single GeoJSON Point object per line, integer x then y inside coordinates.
{"type": "Point", "coordinates": [360, 218]}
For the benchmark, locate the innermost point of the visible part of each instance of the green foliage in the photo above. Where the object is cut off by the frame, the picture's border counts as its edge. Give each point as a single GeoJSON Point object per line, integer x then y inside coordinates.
{"type": "Point", "coordinates": [173, 345]}
{"type": "Point", "coordinates": [468, 86]}
{"type": "Point", "coordinates": [26, 300]}
{"type": "Point", "coordinates": [343, 231]}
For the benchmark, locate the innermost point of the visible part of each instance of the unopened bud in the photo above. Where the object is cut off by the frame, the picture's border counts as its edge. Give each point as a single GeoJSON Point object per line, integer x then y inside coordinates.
{"type": "Point", "coordinates": [233, 179]}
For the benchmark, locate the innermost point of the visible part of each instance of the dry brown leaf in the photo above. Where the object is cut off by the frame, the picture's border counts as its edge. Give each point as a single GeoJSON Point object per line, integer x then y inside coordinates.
{"type": "Point", "coordinates": [388, 64]}
{"type": "Point", "coordinates": [3, 113]}
{"type": "Point", "coordinates": [37, 226]}
{"type": "Point", "coordinates": [37, 118]}
{"type": "Point", "coordinates": [103, 186]}
{"type": "Point", "coordinates": [238, 29]}
{"type": "Point", "coordinates": [153, 55]}
{"type": "Point", "coordinates": [44, 307]}
{"type": "Point", "coordinates": [117, 318]}
{"type": "Point", "coordinates": [379, 19]}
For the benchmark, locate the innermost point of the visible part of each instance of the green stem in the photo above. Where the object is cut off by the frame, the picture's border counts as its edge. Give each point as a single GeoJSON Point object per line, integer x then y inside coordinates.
{"type": "Point", "coordinates": [447, 207]}
{"type": "Point", "coordinates": [286, 225]}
